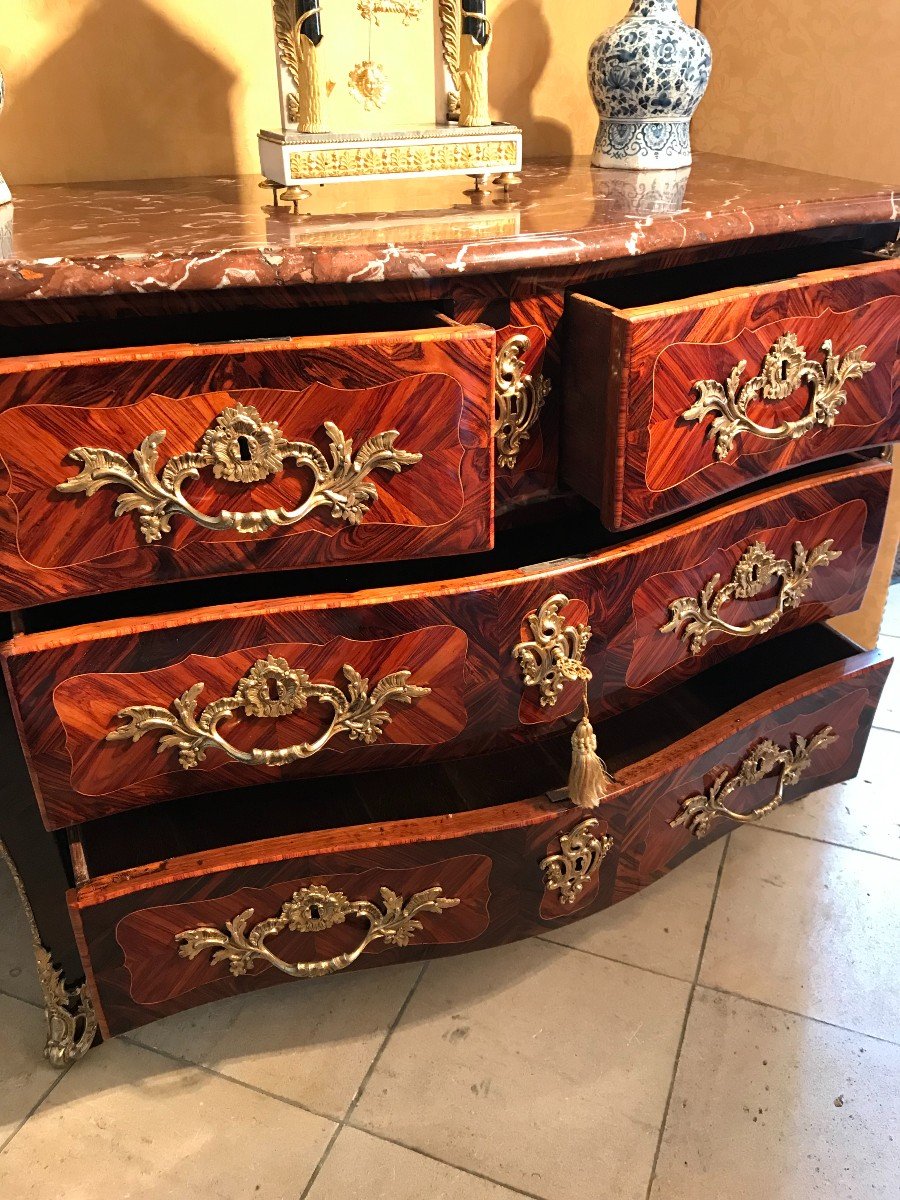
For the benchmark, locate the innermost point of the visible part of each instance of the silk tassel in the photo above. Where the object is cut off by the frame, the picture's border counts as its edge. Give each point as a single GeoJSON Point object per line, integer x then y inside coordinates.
{"type": "Point", "coordinates": [589, 781]}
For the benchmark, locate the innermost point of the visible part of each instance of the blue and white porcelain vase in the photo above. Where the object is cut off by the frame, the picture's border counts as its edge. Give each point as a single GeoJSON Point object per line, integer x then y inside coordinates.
{"type": "Point", "coordinates": [647, 76]}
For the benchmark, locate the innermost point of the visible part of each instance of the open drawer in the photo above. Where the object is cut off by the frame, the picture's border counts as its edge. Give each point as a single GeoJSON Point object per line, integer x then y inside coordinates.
{"type": "Point", "coordinates": [120, 468]}
{"type": "Point", "coordinates": [439, 859]}
{"type": "Point", "coordinates": [686, 383]}
{"type": "Point", "coordinates": [155, 706]}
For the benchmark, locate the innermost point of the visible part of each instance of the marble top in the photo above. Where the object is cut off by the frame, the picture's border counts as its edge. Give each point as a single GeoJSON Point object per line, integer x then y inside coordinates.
{"type": "Point", "coordinates": [212, 233]}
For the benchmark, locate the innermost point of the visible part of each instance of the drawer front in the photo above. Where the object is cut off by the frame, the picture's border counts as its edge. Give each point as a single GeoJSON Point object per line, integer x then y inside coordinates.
{"type": "Point", "coordinates": [178, 462]}
{"type": "Point", "coordinates": [187, 931]}
{"type": "Point", "coordinates": [670, 405]}
{"type": "Point", "coordinates": [180, 704]}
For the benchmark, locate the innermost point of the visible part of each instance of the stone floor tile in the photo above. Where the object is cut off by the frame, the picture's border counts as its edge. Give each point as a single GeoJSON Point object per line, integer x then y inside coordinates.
{"type": "Point", "coordinates": [863, 813]}
{"type": "Point", "coordinates": [887, 715]}
{"type": "Point", "coordinates": [18, 976]}
{"type": "Point", "coordinates": [127, 1123]}
{"type": "Point", "coordinates": [768, 1106]}
{"type": "Point", "coordinates": [891, 623]}
{"type": "Point", "coordinates": [660, 928]}
{"type": "Point", "coordinates": [536, 1066]}
{"type": "Point", "coordinates": [360, 1165]}
{"type": "Point", "coordinates": [809, 927]}
{"type": "Point", "coordinates": [311, 1041]}
{"type": "Point", "coordinates": [25, 1075]}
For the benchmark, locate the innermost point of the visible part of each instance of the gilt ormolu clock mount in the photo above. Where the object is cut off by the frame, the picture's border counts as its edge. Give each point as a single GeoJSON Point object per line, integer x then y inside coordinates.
{"type": "Point", "coordinates": [375, 88]}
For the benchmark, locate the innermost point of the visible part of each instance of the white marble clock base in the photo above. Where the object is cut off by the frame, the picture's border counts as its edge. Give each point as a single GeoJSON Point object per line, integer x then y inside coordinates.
{"type": "Point", "coordinates": [291, 159]}
{"type": "Point", "coordinates": [5, 194]}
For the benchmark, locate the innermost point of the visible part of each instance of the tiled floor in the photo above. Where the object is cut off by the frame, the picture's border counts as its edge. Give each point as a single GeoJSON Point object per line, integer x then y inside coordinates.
{"type": "Point", "coordinates": [732, 1033]}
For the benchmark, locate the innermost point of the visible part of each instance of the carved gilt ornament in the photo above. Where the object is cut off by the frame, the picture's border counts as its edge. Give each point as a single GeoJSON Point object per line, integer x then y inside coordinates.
{"type": "Point", "coordinates": [269, 689]}
{"type": "Point", "coordinates": [785, 369]}
{"type": "Point", "coordinates": [239, 447]}
{"type": "Point", "coordinates": [694, 619]}
{"type": "Point", "coordinates": [519, 399]}
{"type": "Point", "coordinates": [697, 813]}
{"type": "Point", "coordinates": [581, 853]}
{"type": "Point", "coordinates": [312, 910]}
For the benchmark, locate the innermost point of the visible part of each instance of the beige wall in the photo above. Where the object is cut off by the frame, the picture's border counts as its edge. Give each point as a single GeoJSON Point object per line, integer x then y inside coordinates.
{"type": "Point", "coordinates": [125, 89]}
{"type": "Point", "coordinates": [807, 83]}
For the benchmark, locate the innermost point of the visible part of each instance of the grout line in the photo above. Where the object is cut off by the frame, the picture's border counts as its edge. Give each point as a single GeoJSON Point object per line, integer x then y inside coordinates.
{"type": "Point", "coordinates": [687, 1013]}
{"type": "Point", "coordinates": [357, 1096]}
{"type": "Point", "coordinates": [445, 1163]}
{"type": "Point", "coordinates": [207, 1070]}
{"type": "Point", "coordinates": [792, 1012]}
{"type": "Point", "coordinates": [351, 1108]}
{"type": "Point", "coordinates": [621, 962]}
{"type": "Point", "coordinates": [884, 728]}
{"type": "Point", "coordinates": [18, 1129]}
{"type": "Point", "coordinates": [808, 837]}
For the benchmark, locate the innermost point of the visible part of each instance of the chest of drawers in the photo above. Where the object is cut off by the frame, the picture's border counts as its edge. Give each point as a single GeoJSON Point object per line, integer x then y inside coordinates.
{"type": "Point", "coordinates": [315, 549]}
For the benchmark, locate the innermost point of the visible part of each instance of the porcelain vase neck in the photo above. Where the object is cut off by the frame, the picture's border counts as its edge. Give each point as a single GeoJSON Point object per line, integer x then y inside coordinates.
{"type": "Point", "coordinates": [655, 8]}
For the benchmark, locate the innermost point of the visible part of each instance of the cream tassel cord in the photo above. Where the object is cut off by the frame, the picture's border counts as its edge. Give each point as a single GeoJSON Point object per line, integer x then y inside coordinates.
{"type": "Point", "coordinates": [590, 783]}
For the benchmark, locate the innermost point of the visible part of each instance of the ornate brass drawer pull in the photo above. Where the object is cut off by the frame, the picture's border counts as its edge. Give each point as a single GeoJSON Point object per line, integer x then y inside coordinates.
{"type": "Point", "coordinates": [697, 813]}
{"type": "Point", "coordinates": [269, 689]}
{"type": "Point", "coordinates": [311, 910]}
{"type": "Point", "coordinates": [240, 447]}
{"type": "Point", "coordinates": [785, 369]}
{"type": "Point", "coordinates": [694, 619]}
{"type": "Point", "coordinates": [553, 657]}
{"type": "Point", "coordinates": [581, 853]}
{"type": "Point", "coordinates": [519, 399]}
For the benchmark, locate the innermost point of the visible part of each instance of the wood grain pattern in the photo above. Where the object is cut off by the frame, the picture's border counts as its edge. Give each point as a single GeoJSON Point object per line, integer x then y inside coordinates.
{"type": "Point", "coordinates": [435, 387]}
{"type": "Point", "coordinates": [631, 376]}
{"type": "Point", "coordinates": [88, 706]}
{"type": "Point", "coordinates": [134, 914]}
{"type": "Point", "coordinates": [489, 609]}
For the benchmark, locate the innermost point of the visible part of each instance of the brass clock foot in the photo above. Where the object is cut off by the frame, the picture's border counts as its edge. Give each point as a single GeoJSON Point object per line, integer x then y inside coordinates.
{"type": "Point", "coordinates": [507, 181]}
{"type": "Point", "coordinates": [296, 196]}
{"type": "Point", "coordinates": [269, 185]}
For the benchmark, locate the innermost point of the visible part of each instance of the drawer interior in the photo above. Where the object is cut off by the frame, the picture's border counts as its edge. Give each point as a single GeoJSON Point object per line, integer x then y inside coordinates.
{"type": "Point", "coordinates": [205, 823]}
{"type": "Point", "coordinates": [699, 279]}
{"type": "Point", "coordinates": [246, 323]}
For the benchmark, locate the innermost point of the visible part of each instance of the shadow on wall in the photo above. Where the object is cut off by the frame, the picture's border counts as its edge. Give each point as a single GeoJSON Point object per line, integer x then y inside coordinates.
{"type": "Point", "coordinates": [523, 43]}
{"type": "Point", "coordinates": [121, 54]}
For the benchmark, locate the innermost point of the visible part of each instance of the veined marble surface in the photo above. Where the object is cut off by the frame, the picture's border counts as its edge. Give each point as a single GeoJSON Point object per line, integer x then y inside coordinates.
{"type": "Point", "coordinates": [209, 233]}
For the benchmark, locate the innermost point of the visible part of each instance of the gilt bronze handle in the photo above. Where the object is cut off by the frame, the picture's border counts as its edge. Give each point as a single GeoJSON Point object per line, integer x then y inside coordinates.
{"type": "Point", "coordinates": [269, 689]}
{"type": "Point", "coordinates": [240, 447]}
{"type": "Point", "coordinates": [695, 618]}
{"type": "Point", "coordinates": [311, 910]}
{"type": "Point", "coordinates": [697, 813]}
{"type": "Point", "coordinates": [785, 369]}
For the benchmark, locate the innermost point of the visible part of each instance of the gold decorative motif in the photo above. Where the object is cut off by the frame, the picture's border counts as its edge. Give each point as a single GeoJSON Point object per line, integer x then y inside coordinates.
{"type": "Point", "coordinates": [311, 910]}
{"type": "Point", "coordinates": [519, 398]}
{"type": "Point", "coordinates": [890, 250]}
{"type": "Point", "coordinates": [240, 448]}
{"type": "Point", "coordinates": [409, 10]}
{"type": "Point", "coordinates": [477, 154]}
{"type": "Point", "coordinates": [786, 368]}
{"type": "Point", "coordinates": [69, 1013]}
{"type": "Point", "coordinates": [697, 813]}
{"type": "Point", "coordinates": [269, 689]}
{"type": "Point", "coordinates": [299, 56]}
{"type": "Point", "coordinates": [369, 84]}
{"type": "Point", "coordinates": [581, 853]}
{"type": "Point", "coordinates": [555, 655]}
{"type": "Point", "coordinates": [695, 619]}
{"type": "Point", "coordinates": [451, 32]}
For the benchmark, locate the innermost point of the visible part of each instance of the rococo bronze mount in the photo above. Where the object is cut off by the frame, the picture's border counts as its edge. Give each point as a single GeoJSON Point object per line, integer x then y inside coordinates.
{"type": "Point", "coordinates": [373, 88]}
